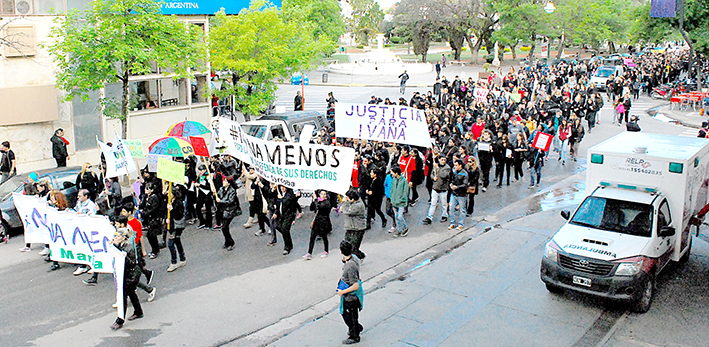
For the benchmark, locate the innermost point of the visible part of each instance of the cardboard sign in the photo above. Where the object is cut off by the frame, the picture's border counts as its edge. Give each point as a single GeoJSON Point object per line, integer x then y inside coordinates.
{"type": "Point", "coordinates": [171, 171]}
{"type": "Point", "coordinates": [135, 147]}
{"type": "Point", "coordinates": [307, 133]}
{"type": "Point", "coordinates": [136, 189]}
{"type": "Point", "coordinates": [200, 147]}
{"type": "Point", "coordinates": [542, 141]}
{"type": "Point", "coordinates": [153, 161]}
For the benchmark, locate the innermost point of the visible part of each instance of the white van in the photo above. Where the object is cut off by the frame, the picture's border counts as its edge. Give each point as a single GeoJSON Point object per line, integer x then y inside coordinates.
{"type": "Point", "coordinates": [602, 74]}
{"type": "Point", "coordinates": [642, 191]}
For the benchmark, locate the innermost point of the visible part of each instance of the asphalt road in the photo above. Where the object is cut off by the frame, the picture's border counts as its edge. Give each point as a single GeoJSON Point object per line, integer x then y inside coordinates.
{"type": "Point", "coordinates": [37, 304]}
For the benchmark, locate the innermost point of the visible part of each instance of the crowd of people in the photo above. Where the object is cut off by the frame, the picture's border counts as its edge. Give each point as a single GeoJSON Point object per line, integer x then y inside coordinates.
{"type": "Point", "coordinates": [479, 127]}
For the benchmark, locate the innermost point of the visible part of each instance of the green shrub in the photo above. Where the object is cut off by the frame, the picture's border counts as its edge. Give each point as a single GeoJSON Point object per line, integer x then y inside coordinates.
{"type": "Point", "coordinates": [489, 58]}
{"type": "Point", "coordinates": [525, 48]}
{"type": "Point", "coordinates": [387, 45]}
{"type": "Point", "coordinates": [507, 49]}
{"type": "Point", "coordinates": [395, 39]}
{"type": "Point", "coordinates": [465, 49]}
{"type": "Point", "coordinates": [360, 46]}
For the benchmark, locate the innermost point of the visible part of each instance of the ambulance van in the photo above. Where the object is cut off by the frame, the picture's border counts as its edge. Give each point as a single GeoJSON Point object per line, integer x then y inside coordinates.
{"type": "Point", "coordinates": [642, 191]}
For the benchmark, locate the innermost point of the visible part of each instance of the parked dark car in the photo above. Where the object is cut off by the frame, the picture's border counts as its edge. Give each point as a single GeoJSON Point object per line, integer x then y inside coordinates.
{"type": "Point", "coordinates": [63, 179]}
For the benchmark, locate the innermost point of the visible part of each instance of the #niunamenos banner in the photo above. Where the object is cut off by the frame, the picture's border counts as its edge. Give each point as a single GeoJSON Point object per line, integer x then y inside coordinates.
{"type": "Point", "coordinates": [72, 238]}
{"type": "Point", "coordinates": [118, 260]}
{"type": "Point", "coordinates": [388, 123]}
{"type": "Point", "coordinates": [119, 160]}
{"type": "Point", "coordinates": [294, 165]}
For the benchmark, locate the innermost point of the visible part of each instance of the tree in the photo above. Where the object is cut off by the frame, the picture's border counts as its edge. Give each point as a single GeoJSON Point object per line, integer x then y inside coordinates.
{"type": "Point", "coordinates": [115, 39]}
{"type": "Point", "coordinates": [366, 17]}
{"type": "Point", "coordinates": [258, 47]}
{"type": "Point", "coordinates": [324, 14]}
{"type": "Point", "coordinates": [422, 18]}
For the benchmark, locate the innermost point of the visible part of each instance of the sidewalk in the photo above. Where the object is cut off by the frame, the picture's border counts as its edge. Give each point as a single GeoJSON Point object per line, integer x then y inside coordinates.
{"type": "Point", "coordinates": [487, 291]}
{"type": "Point", "coordinates": [688, 118]}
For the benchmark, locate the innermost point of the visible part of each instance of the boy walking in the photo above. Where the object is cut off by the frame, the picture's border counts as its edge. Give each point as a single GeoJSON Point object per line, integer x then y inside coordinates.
{"type": "Point", "coordinates": [350, 291]}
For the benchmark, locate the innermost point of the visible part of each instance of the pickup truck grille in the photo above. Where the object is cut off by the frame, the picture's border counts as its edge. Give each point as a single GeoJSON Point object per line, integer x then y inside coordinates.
{"type": "Point", "coordinates": [594, 267]}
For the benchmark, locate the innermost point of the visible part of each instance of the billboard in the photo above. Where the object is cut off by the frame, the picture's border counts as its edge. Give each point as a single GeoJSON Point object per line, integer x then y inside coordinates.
{"type": "Point", "coordinates": [206, 7]}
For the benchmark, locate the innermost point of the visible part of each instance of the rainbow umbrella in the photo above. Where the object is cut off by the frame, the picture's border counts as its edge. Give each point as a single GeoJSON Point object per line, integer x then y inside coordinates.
{"type": "Point", "coordinates": [173, 146]}
{"type": "Point", "coordinates": [187, 128]}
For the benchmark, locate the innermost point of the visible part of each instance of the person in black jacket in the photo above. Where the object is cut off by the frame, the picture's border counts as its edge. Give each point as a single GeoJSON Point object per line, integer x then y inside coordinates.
{"type": "Point", "coordinates": [459, 189]}
{"type": "Point", "coordinates": [59, 151]}
{"type": "Point", "coordinates": [151, 211]}
{"type": "Point", "coordinates": [285, 215]}
{"type": "Point", "coordinates": [226, 199]}
{"type": "Point", "coordinates": [88, 180]}
{"type": "Point", "coordinates": [321, 225]}
{"type": "Point", "coordinates": [375, 195]}
{"type": "Point", "coordinates": [204, 198]}
{"type": "Point", "coordinates": [131, 275]}
{"type": "Point", "coordinates": [473, 184]}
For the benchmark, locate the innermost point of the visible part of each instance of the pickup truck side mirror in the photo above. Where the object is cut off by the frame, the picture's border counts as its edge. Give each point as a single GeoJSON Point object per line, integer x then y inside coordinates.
{"type": "Point", "coordinates": [667, 231]}
{"type": "Point", "coordinates": [565, 214]}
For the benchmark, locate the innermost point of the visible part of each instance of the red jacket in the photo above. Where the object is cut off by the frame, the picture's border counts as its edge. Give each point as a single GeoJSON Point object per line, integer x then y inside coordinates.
{"type": "Point", "coordinates": [355, 174]}
{"type": "Point", "coordinates": [408, 165]}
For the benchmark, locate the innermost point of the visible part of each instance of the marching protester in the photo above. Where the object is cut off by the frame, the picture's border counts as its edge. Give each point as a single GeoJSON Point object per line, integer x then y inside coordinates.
{"type": "Point", "coordinates": [226, 199]}
{"type": "Point", "coordinates": [176, 209]}
{"type": "Point", "coordinates": [131, 274]}
{"type": "Point", "coordinates": [399, 192]}
{"type": "Point", "coordinates": [355, 221]}
{"type": "Point", "coordinates": [84, 205]}
{"type": "Point", "coordinates": [349, 289]}
{"type": "Point", "coordinates": [321, 225]}
{"type": "Point", "coordinates": [440, 176]}
{"type": "Point", "coordinates": [88, 180]}
{"type": "Point", "coordinates": [285, 215]}
{"type": "Point", "coordinates": [152, 212]}
{"type": "Point", "coordinates": [459, 188]}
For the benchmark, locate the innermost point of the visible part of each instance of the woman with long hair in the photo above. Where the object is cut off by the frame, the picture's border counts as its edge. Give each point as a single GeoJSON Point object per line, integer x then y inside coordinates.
{"type": "Point", "coordinates": [473, 183]}
{"type": "Point", "coordinates": [321, 225]}
{"type": "Point", "coordinates": [226, 199]}
{"type": "Point", "coordinates": [88, 180]}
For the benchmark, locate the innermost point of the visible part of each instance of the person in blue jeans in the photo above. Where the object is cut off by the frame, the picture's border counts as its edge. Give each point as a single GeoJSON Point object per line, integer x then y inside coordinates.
{"type": "Point", "coordinates": [399, 193]}
{"type": "Point", "coordinates": [459, 188]}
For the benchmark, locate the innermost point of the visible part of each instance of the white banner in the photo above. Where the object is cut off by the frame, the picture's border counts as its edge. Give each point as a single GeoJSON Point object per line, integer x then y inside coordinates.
{"type": "Point", "coordinates": [388, 123]}
{"type": "Point", "coordinates": [294, 165]}
{"type": "Point", "coordinates": [481, 94]}
{"type": "Point", "coordinates": [72, 238]}
{"type": "Point", "coordinates": [119, 161]}
{"type": "Point", "coordinates": [118, 259]}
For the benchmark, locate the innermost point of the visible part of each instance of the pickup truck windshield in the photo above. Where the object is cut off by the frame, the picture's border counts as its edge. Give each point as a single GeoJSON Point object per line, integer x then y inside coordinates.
{"type": "Point", "coordinates": [625, 217]}
{"type": "Point", "coordinates": [255, 130]}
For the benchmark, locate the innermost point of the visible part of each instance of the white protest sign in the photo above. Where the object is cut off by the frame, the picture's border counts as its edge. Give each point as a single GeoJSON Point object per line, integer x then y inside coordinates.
{"type": "Point", "coordinates": [388, 123]}
{"type": "Point", "coordinates": [307, 133]}
{"type": "Point", "coordinates": [294, 165]}
{"type": "Point", "coordinates": [119, 161]}
{"type": "Point", "coordinates": [481, 94]}
{"type": "Point", "coordinates": [72, 238]}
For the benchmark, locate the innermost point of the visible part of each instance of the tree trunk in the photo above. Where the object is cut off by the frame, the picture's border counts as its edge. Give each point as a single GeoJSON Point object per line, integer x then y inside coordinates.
{"type": "Point", "coordinates": [513, 48]}
{"type": "Point", "coordinates": [474, 49]}
{"type": "Point", "coordinates": [534, 45]}
{"type": "Point", "coordinates": [611, 47]}
{"type": "Point", "coordinates": [124, 104]}
{"type": "Point", "coordinates": [562, 44]}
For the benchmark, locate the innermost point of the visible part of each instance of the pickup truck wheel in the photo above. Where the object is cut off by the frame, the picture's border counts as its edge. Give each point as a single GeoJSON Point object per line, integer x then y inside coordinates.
{"type": "Point", "coordinates": [644, 302]}
{"type": "Point", "coordinates": [554, 289]}
{"type": "Point", "coordinates": [4, 232]}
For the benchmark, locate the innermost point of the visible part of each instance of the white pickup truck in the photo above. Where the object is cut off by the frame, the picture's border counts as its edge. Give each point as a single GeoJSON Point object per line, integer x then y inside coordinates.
{"type": "Point", "coordinates": [642, 191]}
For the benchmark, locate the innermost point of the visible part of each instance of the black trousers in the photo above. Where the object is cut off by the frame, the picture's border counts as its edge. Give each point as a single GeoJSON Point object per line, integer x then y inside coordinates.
{"type": "Point", "coordinates": [129, 292]}
{"type": "Point", "coordinates": [61, 162]}
{"type": "Point", "coordinates": [471, 203]}
{"type": "Point", "coordinates": [154, 243]}
{"type": "Point", "coordinates": [375, 206]}
{"type": "Point", "coordinates": [350, 314]}
{"type": "Point", "coordinates": [228, 240]}
{"type": "Point", "coordinates": [485, 165]}
{"type": "Point", "coordinates": [354, 237]}
{"type": "Point", "coordinates": [204, 218]}
{"type": "Point", "coordinates": [284, 229]}
{"type": "Point", "coordinates": [313, 236]}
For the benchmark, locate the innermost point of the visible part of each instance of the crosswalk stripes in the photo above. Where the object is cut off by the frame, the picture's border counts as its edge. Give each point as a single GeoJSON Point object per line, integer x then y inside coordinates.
{"type": "Point", "coordinates": [689, 133]}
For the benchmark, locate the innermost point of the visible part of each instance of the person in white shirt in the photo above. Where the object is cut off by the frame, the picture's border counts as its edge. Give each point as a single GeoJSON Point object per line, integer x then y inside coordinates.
{"type": "Point", "coordinates": [84, 205]}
